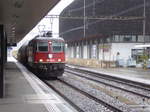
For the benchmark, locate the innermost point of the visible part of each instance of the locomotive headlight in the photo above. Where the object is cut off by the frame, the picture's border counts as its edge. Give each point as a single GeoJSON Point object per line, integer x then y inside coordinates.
{"type": "Point", "coordinates": [59, 60]}
{"type": "Point", "coordinates": [48, 60]}
{"type": "Point", "coordinates": [41, 60]}
{"type": "Point", "coordinates": [50, 55]}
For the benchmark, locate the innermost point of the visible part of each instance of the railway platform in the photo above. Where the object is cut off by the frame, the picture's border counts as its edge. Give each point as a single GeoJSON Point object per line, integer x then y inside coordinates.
{"type": "Point", "coordinates": [24, 92]}
{"type": "Point", "coordinates": [134, 74]}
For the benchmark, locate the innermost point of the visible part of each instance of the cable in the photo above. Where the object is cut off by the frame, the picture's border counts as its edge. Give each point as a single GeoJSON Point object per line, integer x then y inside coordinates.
{"type": "Point", "coordinates": [94, 17]}
{"type": "Point", "coordinates": [123, 12]}
{"type": "Point", "coordinates": [120, 13]}
{"type": "Point", "coordinates": [89, 5]}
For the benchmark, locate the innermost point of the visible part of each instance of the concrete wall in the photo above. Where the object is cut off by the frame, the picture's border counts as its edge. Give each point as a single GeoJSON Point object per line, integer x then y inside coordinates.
{"type": "Point", "coordinates": [85, 52]}
{"type": "Point", "coordinates": [109, 54]}
{"type": "Point", "coordinates": [105, 54]}
{"type": "Point", "coordinates": [123, 48]}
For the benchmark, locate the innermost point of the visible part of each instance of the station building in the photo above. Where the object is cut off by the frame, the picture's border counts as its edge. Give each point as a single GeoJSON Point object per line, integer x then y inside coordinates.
{"type": "Point", "coordinates": [100, 41]}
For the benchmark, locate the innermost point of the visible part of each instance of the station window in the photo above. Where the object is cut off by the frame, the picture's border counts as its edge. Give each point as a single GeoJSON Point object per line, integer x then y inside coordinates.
{"type": "Point", "coordinates": [100, 40]}
{"type": "Point", "coordinates": [93, 51]}
{"type": "Point", "coordinates": [140, 38]}
{"type": "Point", "coordinates": [77, 52]}
{"type": "Point", "coordinates": [116, 38]}
{"type": "Point", "coordinates": [121, 38]}
{"type": "Point", "coordinates": [134, 38]}
{"type": "Point", "coordinates": [124, 38]}
{"type": "Point", "coordinates": [127, 38]}
{"type": "Point", "coordinates": [108, 39]}
{"type": "Point", "coordinates": [147, 38]}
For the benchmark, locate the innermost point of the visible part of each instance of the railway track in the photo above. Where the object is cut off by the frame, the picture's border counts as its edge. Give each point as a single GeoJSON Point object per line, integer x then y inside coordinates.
{"type": "Point", "coordinates": [87, 84]}
{"type": "Point", "coordinates": [92, 97]}
{"type": "Point", "coordinates": [115, 79]}
{"type": "Point", "coordinates": [107, 80]}
{"type": "Point", "coordinates": [105, 104]}
{"type": "Point", "coordinates": [63, 96]}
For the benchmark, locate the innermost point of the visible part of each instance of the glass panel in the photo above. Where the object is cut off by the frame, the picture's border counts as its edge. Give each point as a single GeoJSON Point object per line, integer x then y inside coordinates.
{"type": "Point", "coordinates": [147, 38]}
{"type": "Point", "coordinates": [127, 38]}
{"type": "Point", "coordinates": [42, 46]}
{"type": "Point", "coordinates": [140, 38]}
{"type": "Point", "coordinates": [35, 47]}
{"type": "Point", "coordinates": [134, 38]}
{"type": "Point", "coordinates": [77, 52]}
{"type": "Point", "coordinates": [108, 39]}
{"type": "Point", "coordinates": [121, 38]}
{"type": "Point", "coordinates": [58, 46]}
{"type": "Point", "coordinates": [93, 51]}
{"type": "Point", "coordinates": [124, 38]}
{"type": "Point", "coordinates": [116, 38]}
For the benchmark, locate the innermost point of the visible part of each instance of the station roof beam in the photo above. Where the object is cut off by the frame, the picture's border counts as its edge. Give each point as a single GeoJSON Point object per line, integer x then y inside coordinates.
{"type": "Point", "coordinates": [20, 16]}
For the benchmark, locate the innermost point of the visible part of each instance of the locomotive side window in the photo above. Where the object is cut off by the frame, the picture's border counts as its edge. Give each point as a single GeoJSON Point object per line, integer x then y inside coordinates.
{"type": "Point", "coordinates": [35, 47]}
{"type": "Point", "coordinates": [42, 46]}
{"type": "Point", "coordinates": [57, 46]}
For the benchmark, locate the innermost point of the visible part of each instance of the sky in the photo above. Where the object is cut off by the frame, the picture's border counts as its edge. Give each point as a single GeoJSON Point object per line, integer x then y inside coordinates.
{"type": "Point", "coordinates": [45, 23]}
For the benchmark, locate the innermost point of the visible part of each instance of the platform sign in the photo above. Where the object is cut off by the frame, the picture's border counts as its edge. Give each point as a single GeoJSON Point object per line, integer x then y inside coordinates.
{"type": "Point", "coordinates": [105, 47]}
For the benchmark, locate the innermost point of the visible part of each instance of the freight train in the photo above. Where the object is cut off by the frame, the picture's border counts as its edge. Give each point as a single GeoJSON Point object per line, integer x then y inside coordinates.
{"type": "Point", "coordinates": [44, 55]}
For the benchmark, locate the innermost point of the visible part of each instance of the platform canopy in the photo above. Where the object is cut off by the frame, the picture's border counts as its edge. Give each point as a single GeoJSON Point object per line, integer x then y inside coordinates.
{"type": "Point", "coordinates": [20, 16]}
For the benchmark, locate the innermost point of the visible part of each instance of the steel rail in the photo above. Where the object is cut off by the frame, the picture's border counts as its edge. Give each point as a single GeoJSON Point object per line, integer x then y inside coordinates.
{"type": "Point", "coordinates": [63, 96]}
{"type": "Point", "coordinates": [116, 79]}
{"type": "Point", "coordinates": [117, 87]}
{"type": "Point", "coordinates": [109, 106]}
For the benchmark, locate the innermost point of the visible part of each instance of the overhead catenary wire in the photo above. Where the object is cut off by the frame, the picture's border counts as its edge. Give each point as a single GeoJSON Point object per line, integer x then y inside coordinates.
{"type": "Point", "coordinates": [113, 16]}
{"type": "Point", "coordinates": [97, 17]}
{"type": "Point", "coordinates": [88, 5]}
{"type": "Point", "coordinates": [123, 12]}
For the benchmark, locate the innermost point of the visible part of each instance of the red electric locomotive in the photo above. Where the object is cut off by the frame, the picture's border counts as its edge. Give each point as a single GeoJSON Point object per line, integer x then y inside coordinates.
{"type": "Point", "coordinates": [44, 55]}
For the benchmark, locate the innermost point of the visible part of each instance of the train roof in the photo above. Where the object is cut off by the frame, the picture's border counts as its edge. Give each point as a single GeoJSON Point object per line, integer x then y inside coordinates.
{"type": "Point", "coordinates": [48, 38]}
{"type": "Point", "coordinates": [47, 35]}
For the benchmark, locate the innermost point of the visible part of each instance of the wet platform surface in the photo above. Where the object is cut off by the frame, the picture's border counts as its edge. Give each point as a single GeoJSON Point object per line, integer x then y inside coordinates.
{"type": "Point", "coordinates": [134, 74]}
{"type": "Point", "coordinates": [24, 92]}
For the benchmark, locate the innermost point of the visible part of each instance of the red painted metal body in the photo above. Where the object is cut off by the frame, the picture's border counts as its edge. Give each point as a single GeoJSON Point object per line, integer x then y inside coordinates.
{"type": "Point", "coordinates": [57, 57]}
{"type": "Point", "coordinates": [45, 55]}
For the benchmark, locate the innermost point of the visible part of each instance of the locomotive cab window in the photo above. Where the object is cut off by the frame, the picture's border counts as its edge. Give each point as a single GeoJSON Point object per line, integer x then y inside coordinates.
{"type": "Point", "coordinates": [35, 47]}
{"type": "Point", "coordinates": [57, 46]}
{"type": "Point", "coordinates": [42, 46]}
